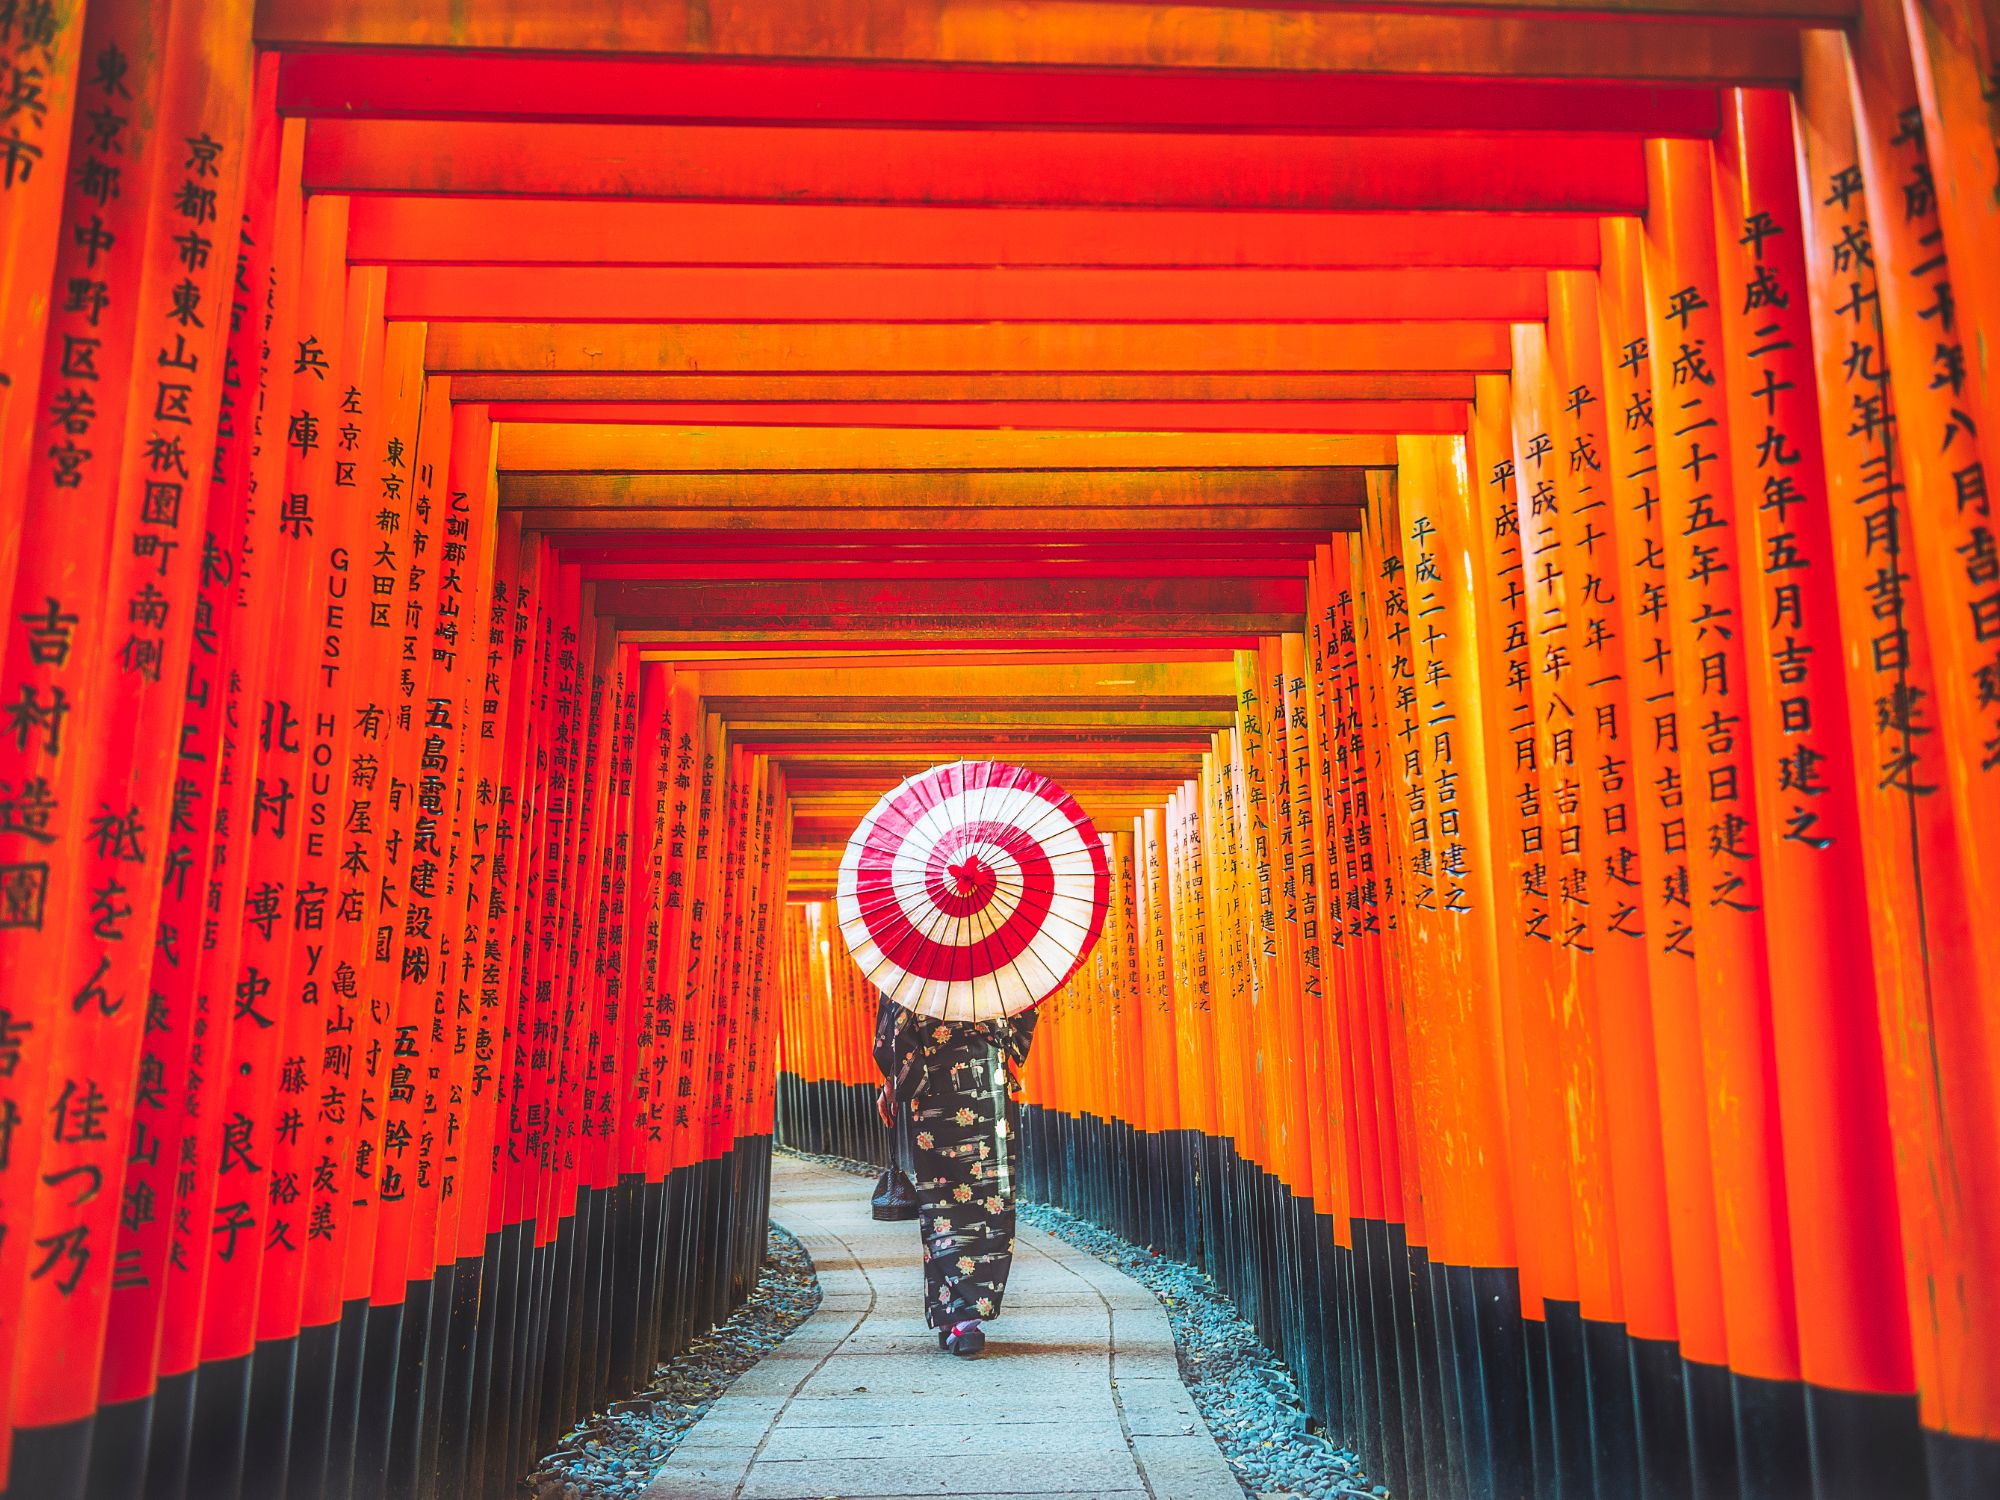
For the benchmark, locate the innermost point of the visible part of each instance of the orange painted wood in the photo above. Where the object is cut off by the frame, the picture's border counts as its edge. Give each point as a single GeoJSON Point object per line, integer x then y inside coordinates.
{"type": "Point", "coordinates": [1579, 38]}
{"type": "Point", "coordinates": [561, 447]}
{"type": "Point", "coordinates": [420, 230]}
{"type": "Point", "coordinates": [1659, 797]}
{"type": "Point", "coordinates": [1610, 796]}
{"type": "Point", "coordinates": [511, 293]}
{"type": "Point", "coordinates": [1853, 1335]}
{"type": "Point", "coordinates": [1925, 944]}
{"type": "Point", "coordinates": [1706, 596]}
{"type": "Point", "coordinates": [34, 163]}
{"type": "Point", "coordinates": [1465, 172]}
{"type": "Point", "coordinates": [438, 84]}
{"type": "Point", "coordinates": [1342, 417]}
{"type": "Point", "coordinates": [1938, 385]}
{"type": "Point", "coordinates": [983, 348]}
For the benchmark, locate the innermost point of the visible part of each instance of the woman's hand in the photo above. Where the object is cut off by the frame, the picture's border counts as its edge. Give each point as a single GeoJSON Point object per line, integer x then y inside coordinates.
{"type": "Point", "coordinates": [885, 1107]}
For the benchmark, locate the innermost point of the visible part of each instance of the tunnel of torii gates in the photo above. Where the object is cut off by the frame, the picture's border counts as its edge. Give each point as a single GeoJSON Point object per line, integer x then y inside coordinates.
{"type": "Point", "coordinates": [1484, 505]}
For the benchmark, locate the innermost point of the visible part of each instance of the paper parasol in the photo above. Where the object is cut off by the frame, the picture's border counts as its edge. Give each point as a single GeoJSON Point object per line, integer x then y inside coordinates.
{"type": "Point", "coordinates": [973, 891]}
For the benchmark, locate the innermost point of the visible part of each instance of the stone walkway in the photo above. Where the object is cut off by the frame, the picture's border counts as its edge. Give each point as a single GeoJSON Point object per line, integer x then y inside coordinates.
{"type": "Point", "coordinates": [1078, 1394]}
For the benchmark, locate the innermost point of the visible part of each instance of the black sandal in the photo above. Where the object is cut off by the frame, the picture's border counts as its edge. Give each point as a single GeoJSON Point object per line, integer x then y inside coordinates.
{"type": "Point", "coordinates": [967, 1345]}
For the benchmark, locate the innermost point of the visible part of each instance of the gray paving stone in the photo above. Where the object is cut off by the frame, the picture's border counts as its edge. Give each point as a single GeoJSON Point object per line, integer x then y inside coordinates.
{"type": "Point", "coordinates": [1079, 1394]}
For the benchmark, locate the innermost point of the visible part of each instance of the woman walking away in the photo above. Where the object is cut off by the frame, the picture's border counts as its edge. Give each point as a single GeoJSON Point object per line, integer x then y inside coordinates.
{"type": "Point", "coordinates": [961, 1079]}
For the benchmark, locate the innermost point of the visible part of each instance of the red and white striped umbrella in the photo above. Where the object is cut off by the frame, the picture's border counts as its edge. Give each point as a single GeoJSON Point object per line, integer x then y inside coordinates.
{"type": "Point", "coordinates": [973, 890]}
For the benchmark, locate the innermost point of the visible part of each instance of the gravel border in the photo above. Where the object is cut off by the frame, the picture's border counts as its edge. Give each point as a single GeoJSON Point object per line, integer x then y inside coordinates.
{"type": "Point", "coordinates": [1242, 1390]}
{"type": "Point", "coordinates": [615, 1454]}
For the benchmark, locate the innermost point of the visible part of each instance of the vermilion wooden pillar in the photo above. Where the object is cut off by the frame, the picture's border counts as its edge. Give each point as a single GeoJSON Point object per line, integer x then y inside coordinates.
{"type": "Point", "coordinates": [44, 49]}
{"type": "Point", "coordinates": [1938, 385]}
{"type": "Point", "coordinates": [1854, 1341]}
{"type": "Point", "coordinates": [1706, 595]}
{"type": "Point", "coordinates": [1935, 1027]}
{"type": "Point", "coordinates": [175, 1061]}
{"type": "Point", "coordinates": [1615, 916]}
{"type": "Point", "coordinates": [1666, 913]}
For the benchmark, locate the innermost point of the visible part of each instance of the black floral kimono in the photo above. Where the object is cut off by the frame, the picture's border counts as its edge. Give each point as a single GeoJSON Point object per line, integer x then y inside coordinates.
{"type": "Point", "coordinates": [960, 1078]}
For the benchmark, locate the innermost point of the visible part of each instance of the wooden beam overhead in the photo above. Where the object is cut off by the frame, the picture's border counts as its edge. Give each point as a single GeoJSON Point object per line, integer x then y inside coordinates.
{"type": "Point", "coordinates": [896, 604]}
{"type": "Point", "coordinates": [1722, 41]}
{"type": "Point", "coordinates": [888, 523]}
{"type": "Point", "coordinates": [428, 230]}
{"type": "Point", "coordinates": [1325, 417]}
{"type": "Point", "coordinates": [965, 390]}
{"type": "Point", "coordinates": [431, 84]}
{"type": "Point", "coordinates": [1053, 348]}
{"type": "Point", "coordinates": [557, 447]}
{"type": "Point", "coordinates": [1054, 685]}
{"type": "Point", "coordinates": [1505, 172]}
{"type": "Point", "coordinates": [909, 294]}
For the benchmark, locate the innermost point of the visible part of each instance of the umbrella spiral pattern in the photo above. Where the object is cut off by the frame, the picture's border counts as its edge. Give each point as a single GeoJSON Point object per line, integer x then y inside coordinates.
{"type": "Point", "coordinates": [973, 890]}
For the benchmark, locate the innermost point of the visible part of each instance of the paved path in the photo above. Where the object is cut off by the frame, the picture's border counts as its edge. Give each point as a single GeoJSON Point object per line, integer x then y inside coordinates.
{"type": "Point", "coordinates": [1078, 1393]}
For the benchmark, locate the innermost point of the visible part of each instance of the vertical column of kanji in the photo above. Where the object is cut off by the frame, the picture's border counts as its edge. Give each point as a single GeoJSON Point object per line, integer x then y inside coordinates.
{"type": "Point", "coordinates": [1219, 892]}
{"type": "Point", "coordinates": [1126, 1107]}
{"type": "Point", "coordinates": [259, 553]}
{"type": "Point", "coordinates": [1363, 876]}
{"type": "Point", "coordinates": [174, 1041]}
{"type": "Point", "coordinates": [60, 510]}
{"type": "Point", "coordinates": [1508, 457]}
{"type": "Point", "coordinates": [638, 768]}
{"type": "Point", "coordinates": [458, 646]}
{"type": "Point", "coordinates": [507, 643]}
{"type": "Point", "coordinates": [40, 47]}
{"type": "Point", "coordinates": [1194, 1039]}
{"type": "Point", "coordinates": [136, 695]}
{"type": "Point", "coordinates": [1732, 985]}
{"type": "Point", "coordinates": [1162, 1057]}
{"type": "Point", "coordinates": [1383, 648]}
{"type": "Point", "coordinates": [553, 1056]}
{"type": "Point", "coordinates": [581, 1156]}
{"type": "Point", "coordinates": [673, 1015]}
{"type": "Point", "coordinates": [1169, 1174]}
{"type": "Point", "coordinates": [1938, 381]}
{"type": "Point", "coordinates": [1934, 1021]}
{"type": "Point", "coordinates": [1613, 921]}
{"type": "Point", "coordinates": [404, 958]}
{"type": "Point", "coordinates": [1854, 1337]}
{"type": "Point", "coordinates": [1358, 1089]}
{"type": "Point", "coordinates": [1237, 1038]}
{"type": "Point", "coordinates": [784, 829]}
{"type": "Point", "coordinates": [1300, 1017]}
{"type": "Point", "coordinates": [716, 932]}
{"type": "Point", "coordinates": [474, 544]}
{"type": "Point", "coordinates": [1552, 621]}
{"type": "Point", "coordinates": [601, 1064]}
{"type": "Point", "coordinates": [1354, 899]}
{"type": "Point", "coordinates": [1637, 525]}
{"type": "Point", "coordinates": [1955, 55]}
{"type": "Point", "coordinates": [724, 915]}
{"type": "Point", "coordinates": [1384, 654]}
{"type": "Point", "coordinates": [557, 1200]}
{"type": "Point", "coordinates": [652, 778]}
{"type": "Point", "coordinates": [318, 950]}
{"type": "Point", "coordinates": [1444, 536]}
{"type": "Point", "coordinates": [697, 998]}
{"type": "Point", "coordinates": [1262, 1055]}
{"type": "Point", "coordinates": [391, 587]}
{"type": "Point", "coordinates": [287, 562]}
{"type": "Point", "coordinates": [335, 1104]}
{"type": "Point", "coordinates": [661, 903]}
{"type": "Point", "coordinates": [524, 1065]}
{"type": "Point", "coordinates": [1248, 848]}
{"type": "Point", "coordinates": [1331, 949]}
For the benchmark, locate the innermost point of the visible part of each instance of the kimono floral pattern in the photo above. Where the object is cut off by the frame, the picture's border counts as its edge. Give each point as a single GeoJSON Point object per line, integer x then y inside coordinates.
{"type": "Point", "coordinates": [960, 1079]}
